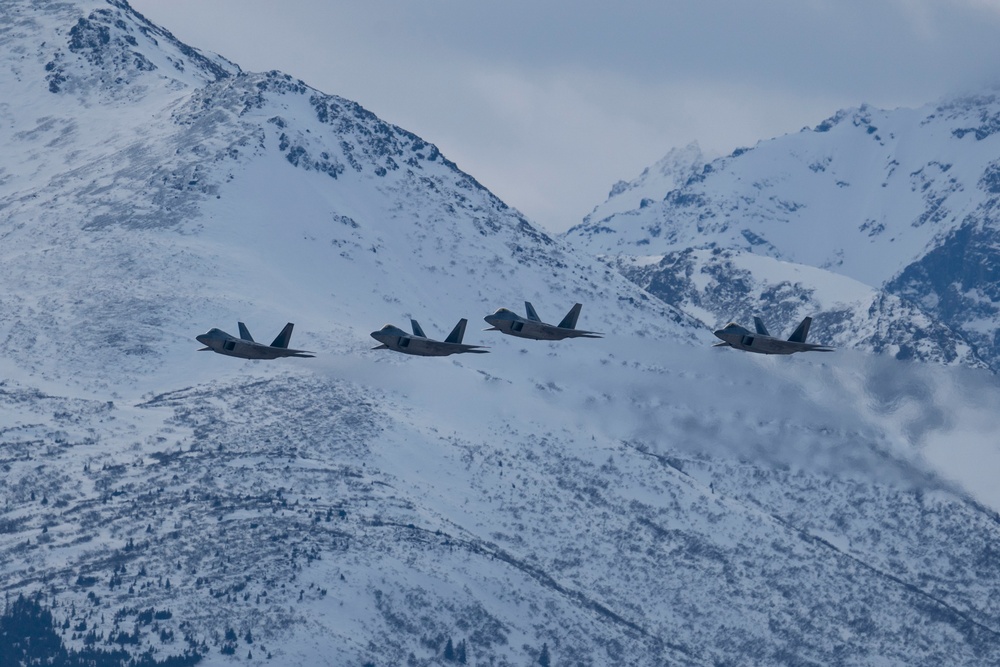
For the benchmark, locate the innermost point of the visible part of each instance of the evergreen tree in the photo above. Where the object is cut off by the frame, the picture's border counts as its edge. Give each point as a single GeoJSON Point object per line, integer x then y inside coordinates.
{"type": "Point", "coordinates": [449, 650]}
{"type": "Point", "coordinates": [543, 659]}
{"type": "Point", "coordinates": [460, 653]}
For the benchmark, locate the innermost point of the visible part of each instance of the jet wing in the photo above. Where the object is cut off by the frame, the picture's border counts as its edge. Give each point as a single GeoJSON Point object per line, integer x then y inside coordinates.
{"type": "Point", "coordinates": [442, 348]}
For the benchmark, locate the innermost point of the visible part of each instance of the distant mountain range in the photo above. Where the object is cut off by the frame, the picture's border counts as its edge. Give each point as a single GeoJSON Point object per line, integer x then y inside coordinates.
{"type": "Point", "coordinates": [641, 499]}
{"type": "Point", "coordinates": [881, 224]}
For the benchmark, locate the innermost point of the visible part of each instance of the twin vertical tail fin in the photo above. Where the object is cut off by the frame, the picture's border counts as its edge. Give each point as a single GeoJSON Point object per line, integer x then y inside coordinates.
{"type": "Point", "coordinates": [458, 333]}
{"type": "Point", "coordinates": [759, 325]}
{"type": "Point", "coordinates": [245, 333]}
{"type": "Point", "coordinates": [284, 337]}
{"type": "Point", "coordinates": [569, 322]}
{"type": "Point", "coordinates": [417, 331]}
{"type": "Point", "coordinates": [530, 310]}
{"type": "Point", "coordinates": [799, 335]}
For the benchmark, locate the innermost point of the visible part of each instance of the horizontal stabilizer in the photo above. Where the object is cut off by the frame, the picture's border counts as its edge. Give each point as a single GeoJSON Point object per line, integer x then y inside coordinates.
{"type": "Point", "coordinates": [284, 337]}
{"type": "Point", "coordinates": [799, 335]}
{"type": "Point", "coordinates": [569, 322]}
{"type": "Point", "coordinates": [458, 333]}
{"type": "Point", "coordinates": [759, 325]}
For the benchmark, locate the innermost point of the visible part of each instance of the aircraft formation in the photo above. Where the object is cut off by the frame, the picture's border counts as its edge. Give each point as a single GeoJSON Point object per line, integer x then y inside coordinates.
{"type": "Point", "coordinates": [506, 322]}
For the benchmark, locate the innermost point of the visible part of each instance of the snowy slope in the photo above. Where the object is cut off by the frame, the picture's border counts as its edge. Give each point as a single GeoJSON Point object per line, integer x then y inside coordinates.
{"type": "Point", "coordinates": [641, 499]}
{"type": "Point", "coordinates": [691, 509]}
{"type": "Point", "coordinates": [901, 201]}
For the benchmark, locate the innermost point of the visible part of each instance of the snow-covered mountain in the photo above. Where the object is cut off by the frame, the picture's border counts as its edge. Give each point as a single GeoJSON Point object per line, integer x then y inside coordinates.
{"type": "Point", "coordinates": [671, 172]}
{"type": "Point", "coordinates": [900, 201]}
{"type": "Point", "coordinates": [140, 208]}
{"type": "Point", "coordinates": [640, 499]}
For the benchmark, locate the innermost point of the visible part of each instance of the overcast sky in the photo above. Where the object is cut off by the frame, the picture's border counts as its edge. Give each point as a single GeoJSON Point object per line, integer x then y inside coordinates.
{"type": "Point", "coordinates": [549, 102]}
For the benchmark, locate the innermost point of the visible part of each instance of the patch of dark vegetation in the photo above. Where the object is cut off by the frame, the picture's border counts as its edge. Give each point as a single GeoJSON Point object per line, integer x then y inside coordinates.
{"type": "Point", "coordinates": [28, 637]}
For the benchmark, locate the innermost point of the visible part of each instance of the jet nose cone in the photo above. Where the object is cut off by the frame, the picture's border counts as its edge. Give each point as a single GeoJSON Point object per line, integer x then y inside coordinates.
{"type": "Point", "coordinates": [493, 321]}
{"type": "Point", "coordinates": [724, 335]}
{"type": "Point", "coordinates": [203, 339]}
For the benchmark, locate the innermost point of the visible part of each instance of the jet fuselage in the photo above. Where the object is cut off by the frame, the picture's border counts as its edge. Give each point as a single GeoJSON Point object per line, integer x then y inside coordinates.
{"type": "Point", "coordinates": [512, 324]}
{"type": "Point", "coordinates": [221, 342]}
{"type": "Point", "coordinates": [393, 338]}
{"type": "Point", "coordinates": [740, 338]}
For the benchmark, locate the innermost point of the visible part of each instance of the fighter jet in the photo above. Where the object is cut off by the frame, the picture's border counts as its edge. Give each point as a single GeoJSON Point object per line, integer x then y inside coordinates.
{"type": "Point", "coordinates": [512, 324]}
{"type": "Point", "coordinates": [761, 342]}
{"type": "Point", "coordinates": [245, 347]}
{"type": "Point", "coordinates": [394, 338]}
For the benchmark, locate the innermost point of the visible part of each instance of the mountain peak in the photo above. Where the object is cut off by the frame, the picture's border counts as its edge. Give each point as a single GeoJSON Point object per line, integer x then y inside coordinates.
{"type": "Point", "coordinates": [98, 51]}
{"type": "Point", "coordinates": [669, 172]}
